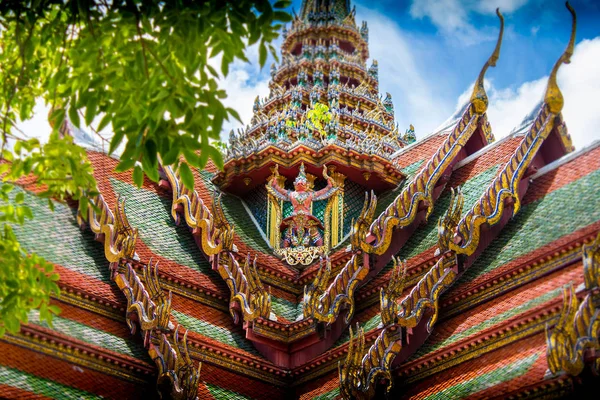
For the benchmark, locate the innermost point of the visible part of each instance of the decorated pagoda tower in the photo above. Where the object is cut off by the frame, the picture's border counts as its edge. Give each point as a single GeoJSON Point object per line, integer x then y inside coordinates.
{"type": "Point", "coordinates": [333, 256]}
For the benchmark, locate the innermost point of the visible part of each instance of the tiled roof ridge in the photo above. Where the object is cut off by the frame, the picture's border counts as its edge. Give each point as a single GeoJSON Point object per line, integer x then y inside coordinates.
{"type": "Point", "coordinates": [529, 323]}
{"type": "Point", "coordinates": [567, 158]}
{"type": "Point", "coordinates": [482, 151]}
{"type": "Point", "coordinates": [91, 351]}
{"type": "Point", "coordinates": [547, 262]}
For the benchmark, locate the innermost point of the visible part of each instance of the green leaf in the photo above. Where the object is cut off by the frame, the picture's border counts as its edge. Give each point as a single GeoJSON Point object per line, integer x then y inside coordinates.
{"type": "Point", "coordinates": [51, 205]}
{"type": "Point", "coordinates": [138, 176]}
{"type": "Point", "coordinates": [74, 116]}
{"type": "Point", "coordinates": [186, 175]}
{"type": "Point", "coordinates": [104, 122]}
{"type": "Point", "coordinates": [20, 198]}
{"type": "Point", "coordinates": [116, 141]}
{"type": "Point", "coordinates": [90, 109]}
{"type": "Point", "coordinates": [125, 165]}
{"type": "Point", "coordinates": [262, 54]}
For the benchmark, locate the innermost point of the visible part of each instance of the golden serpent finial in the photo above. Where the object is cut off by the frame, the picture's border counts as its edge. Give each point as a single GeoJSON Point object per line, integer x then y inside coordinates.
{"type": "Point", "coordinates": [479, 98]}
{"type": "Point", "coordinates": [554, 98]}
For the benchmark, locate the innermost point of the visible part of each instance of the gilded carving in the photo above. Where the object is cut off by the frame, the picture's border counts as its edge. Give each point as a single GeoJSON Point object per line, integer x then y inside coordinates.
{"type": "Point", "coordinates": [245, 287]}
{"type": "Point", "coordinates": [175, 367]}
{"type": "Point", "coordinates": [195, 213]}
{"type": "Point", "coordinates": [591, 264]}
{"type": "Point", "coordinates": [388, 297]}
{"type": "Point", "coordinates": [150, 308]}
{"type": "Point", "coordinates": [577, 329]}
{"type": "Point", "coordinates": [118, 235]}
{"type": "Point", "coordinates": [403, 210]}
{"type": "Point", "coordinates": [504, 189]}
{"type": "Point", "coordinates": [448, 223]}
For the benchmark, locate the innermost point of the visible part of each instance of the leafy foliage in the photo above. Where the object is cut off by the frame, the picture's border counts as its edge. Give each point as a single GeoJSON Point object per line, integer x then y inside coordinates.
{"type": "Point", "coordinates": [316, 118]}
{"type": "Point", "coordinates": [59, 170]}
{"type": "Point", "coordinates": [144, 69]}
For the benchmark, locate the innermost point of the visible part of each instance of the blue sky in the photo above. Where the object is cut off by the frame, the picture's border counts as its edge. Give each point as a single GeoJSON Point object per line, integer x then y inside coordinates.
{"type": "Point", "coordinates": [431, 51]}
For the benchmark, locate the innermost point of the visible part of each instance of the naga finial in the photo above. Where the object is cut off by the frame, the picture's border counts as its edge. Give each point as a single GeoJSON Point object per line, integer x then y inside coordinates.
{"type": "Point", "coordinates": [553, 97]}
{"type": "Point", "coordinates": [479, 98]}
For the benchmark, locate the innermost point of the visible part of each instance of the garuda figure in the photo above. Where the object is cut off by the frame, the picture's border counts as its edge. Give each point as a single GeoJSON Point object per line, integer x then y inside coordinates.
{"type": "Point", "coordinates": [301, 229]}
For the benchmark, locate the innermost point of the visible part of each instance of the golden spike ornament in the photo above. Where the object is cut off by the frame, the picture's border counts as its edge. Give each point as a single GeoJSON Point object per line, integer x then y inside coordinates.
{"type": "Point", "coordinates": [195, 213]}
{"type": "Point", "coordinates": [591, 264]}
{"type": "Point", "coordinates": [448, 223]}
{"type": "Point", "coordinates": [118, 235]}
{"type": "Point", "coordinates": [147, 305]}
{"type": "Point", "coordinates": [577, 329]}
{"type": "Point", "coordinates": [504, 189]}
{"type": "Point", "coordinates": [479, 97]}
{"type": "Point", "coordinates": [553, 97]}
{"type": "Point", "coordinates": [388, 296]}
{"type": "Point", "coordinates": [175, 367]}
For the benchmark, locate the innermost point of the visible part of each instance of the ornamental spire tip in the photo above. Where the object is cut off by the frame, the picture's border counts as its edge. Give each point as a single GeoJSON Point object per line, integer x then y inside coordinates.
{"type": "Point", "coordinates": [479, 98]}
{"type": "Point", "coordinates": [553, 97]}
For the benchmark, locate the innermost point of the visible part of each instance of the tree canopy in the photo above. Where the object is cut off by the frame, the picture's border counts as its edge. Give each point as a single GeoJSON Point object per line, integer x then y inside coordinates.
{"type": "Point", "coordinates": [146, 70]}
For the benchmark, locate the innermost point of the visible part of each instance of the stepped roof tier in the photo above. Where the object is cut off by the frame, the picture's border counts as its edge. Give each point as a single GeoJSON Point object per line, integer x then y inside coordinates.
{"type": "Point", "coordinates": [450, 267]}
{"type": "Point", "coordinates": [324, 61]}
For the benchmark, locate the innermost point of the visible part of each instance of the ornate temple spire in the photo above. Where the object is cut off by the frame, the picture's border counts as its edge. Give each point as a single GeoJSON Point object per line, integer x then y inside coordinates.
{"type": "Point", "coordinates": [324, 10]}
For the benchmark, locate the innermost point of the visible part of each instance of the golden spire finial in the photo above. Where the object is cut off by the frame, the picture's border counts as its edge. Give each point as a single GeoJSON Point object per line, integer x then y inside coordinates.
{"type": "Point", "coordinates": [554, 98]}
{"type": "Point", "coordinates": [479, 98]}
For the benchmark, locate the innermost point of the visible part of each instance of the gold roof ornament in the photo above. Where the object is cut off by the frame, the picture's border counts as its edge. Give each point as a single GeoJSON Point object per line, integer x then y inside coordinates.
{"type": "Point", "coordinates": [479, 98]}
{"type": "Point", "coordinates": [553, 97]}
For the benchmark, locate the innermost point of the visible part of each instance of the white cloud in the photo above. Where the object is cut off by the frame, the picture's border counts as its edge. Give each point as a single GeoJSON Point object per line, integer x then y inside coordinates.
{"type": "Point", "coordinates": [579, 82]}
{"type": "Point", "coordinates": [451, 17]}
{"type": "Point", "coordinates": [241, 92]}
{"type": "Point", "coordinates": [403, 72]}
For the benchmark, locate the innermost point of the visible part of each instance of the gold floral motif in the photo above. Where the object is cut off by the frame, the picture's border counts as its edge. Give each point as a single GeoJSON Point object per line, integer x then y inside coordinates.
{"type": "Point", "coordinates": [300, 255]}
{"type": "Point", "coordinates": [175, 367]}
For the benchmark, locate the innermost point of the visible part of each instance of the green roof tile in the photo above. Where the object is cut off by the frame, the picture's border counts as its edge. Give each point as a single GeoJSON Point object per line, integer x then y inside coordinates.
{"type": "Point", "coordinates": [151, 215]}
{"type": "Point", "coordinates": [367, 326]}
{"type": "Point", "coordinates": [329, 395]}
{"type": "Point", "coordinates": [561, 212]}
{"type": "Point", "coordinates": [57, 238]}
{"type": "Point", "coordinates": [236, 213]}
{"type": "Point", "coordinates": [486, 381]}
{"type": "Point", "coordinates": [434, 345]}
{"type": "Point", "coordinates": [286, 309]}
{"type": "Point", "coordinates": [91, 335]}
{"type": "Point", "coordinates": [426, 236]}
{"type": "Point", "coordinates": [217, 333]}
{"type": "Point", "coordinates": [220, 393]}
{"type": "Point", "coordinates": [40, 386]}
